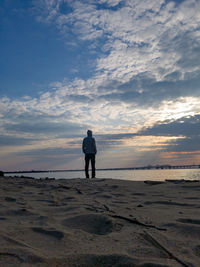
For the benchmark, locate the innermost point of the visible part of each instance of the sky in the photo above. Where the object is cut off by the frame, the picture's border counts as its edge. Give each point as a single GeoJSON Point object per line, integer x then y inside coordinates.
{"type": "Point", "coordinates": [128, 70]}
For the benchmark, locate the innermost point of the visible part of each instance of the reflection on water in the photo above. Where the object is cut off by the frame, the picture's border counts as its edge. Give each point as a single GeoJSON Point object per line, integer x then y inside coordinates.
{"type": "Point", "coordinates": [134, 175]}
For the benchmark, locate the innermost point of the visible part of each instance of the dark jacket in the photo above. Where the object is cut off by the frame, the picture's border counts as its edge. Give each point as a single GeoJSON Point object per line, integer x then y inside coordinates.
{"type": "Point", "coordinates": [89, 145]}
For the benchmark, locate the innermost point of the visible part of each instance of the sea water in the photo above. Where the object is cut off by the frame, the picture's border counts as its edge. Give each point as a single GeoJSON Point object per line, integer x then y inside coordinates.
{"type": "Point", "coordinates": [133, 175]}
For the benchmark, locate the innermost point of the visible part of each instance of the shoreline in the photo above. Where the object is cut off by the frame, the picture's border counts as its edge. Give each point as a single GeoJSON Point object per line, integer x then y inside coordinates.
{"type": "Point", "coordinates": [93, 179]}
{"type": "Point", "coordinates": [131, 175]}
{"type": "Point", "coordinates": [99, 222]}
{"type": "Point", "coordinates": [149, 181]}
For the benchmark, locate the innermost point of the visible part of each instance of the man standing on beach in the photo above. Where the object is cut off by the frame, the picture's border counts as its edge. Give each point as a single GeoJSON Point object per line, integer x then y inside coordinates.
{"type": "Point", "coordinates": [90, 150]}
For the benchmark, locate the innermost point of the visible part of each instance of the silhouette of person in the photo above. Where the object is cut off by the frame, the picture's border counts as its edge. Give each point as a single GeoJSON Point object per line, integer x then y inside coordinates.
{"type": "Point", "coordinates": [90, 150]}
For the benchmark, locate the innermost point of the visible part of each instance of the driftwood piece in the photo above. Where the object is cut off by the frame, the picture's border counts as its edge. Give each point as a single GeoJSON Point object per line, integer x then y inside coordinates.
{"type": "Point", "coordinates": [79, 191]}
{"type": "Point", "coordinates": [157, 244]}
{"type": "Point", "coordinates": [15, 241]}
{"type": "Point", "coordinates": [107, 208]}
{"type": "Point", "coordinates": [104, 206]}
{"type": "Point", "coordinates": [19, 243]}
{"type": "Point", "coordinates": [135, 221]}
{"type": "Point", "coordinates": [57, 187]}
{"type": "Point", "coordinates": [131, 220]}
{"type": "Point", "coordinates": [60, 186]}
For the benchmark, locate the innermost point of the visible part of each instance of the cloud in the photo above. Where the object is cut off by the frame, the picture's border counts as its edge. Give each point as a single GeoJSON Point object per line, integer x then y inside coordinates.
{"type": "Point", "coordinates": [118, 136]}
{"type": "Point", "coordinates": [150, 49]}
{"type": "Point", "coordinates": [30, 127]}
{"type": "Point", "coordinates": [51, 152]}
{"type": "Point", "coordinates": [188, 144]}
{"type": "Point", "coordinates": [187, 127]}
{"type": "Point", "coordinates": [44, 127]}
{"type": "Point", "coordinates": [6, 140]}
{"type": "Point", "coordinates": [144, 90]}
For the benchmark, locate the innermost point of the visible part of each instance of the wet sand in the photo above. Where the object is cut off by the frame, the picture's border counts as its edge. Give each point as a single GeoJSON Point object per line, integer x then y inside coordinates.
{"type": "Point", "coordinates": [99, 222]}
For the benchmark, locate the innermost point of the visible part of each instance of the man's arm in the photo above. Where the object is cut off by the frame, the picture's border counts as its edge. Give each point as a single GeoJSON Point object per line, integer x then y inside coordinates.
{"type": "Point", "coordinates": [95, 148]}
{"type": "Point", "coordinates": [83, 146]}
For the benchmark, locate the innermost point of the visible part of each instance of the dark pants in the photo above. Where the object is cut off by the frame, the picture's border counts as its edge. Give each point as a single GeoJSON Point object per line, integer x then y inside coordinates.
{"type": "Point", "coordinates": [89, 157]}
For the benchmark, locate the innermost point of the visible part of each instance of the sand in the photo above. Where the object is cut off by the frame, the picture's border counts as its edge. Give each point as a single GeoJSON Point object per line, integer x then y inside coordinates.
{"type": "Point", "coordinates": [98, 222]}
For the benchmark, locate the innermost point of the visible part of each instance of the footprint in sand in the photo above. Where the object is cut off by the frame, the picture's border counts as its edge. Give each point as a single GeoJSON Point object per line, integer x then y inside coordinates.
{"type": "Point", "coordinates": [19, 212]}
{"type": "Point", "coordinates": [50, 232]}
{"type": "Point", "coordinates": [118, 195]}
{"type": "Point", "coordinates": [170, 203]}
{"type": "Point", "coordinates": [19, 257]}
{"type": "Point", "coordinates": [120, 202]}
{"type": "Point", "coordinates": [191, 221]}
{"type": "Point", "coordinates": [104, 196]}
{"type": "Point", "coordinates": [91, 223]}
{"type": "Point", "coordinates": [10, 199]}
{"type": "Point", "coordinates": [91, 260]}
{"type": "Point", "coordinates": [185, 230]}
{"type": "Point", "coordinates": [197, 250]}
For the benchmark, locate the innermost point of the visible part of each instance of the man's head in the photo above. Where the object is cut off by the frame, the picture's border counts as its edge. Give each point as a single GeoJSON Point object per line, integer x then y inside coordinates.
{"type": "Point", "coordinates": [89, 133]}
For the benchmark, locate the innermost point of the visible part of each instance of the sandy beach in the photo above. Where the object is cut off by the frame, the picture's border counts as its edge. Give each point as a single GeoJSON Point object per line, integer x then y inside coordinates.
{"type": "Point", "coordinates": [98, 222]}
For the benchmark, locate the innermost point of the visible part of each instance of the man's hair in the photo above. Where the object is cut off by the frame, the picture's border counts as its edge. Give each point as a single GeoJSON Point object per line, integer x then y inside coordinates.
{"type": "Point", "coordinates": [89, 133]}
